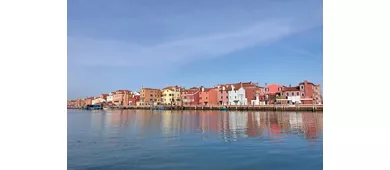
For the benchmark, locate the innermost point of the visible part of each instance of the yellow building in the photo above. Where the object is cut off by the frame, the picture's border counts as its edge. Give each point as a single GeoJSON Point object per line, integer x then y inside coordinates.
{"type": "Point", "coordinates": [171, 95]}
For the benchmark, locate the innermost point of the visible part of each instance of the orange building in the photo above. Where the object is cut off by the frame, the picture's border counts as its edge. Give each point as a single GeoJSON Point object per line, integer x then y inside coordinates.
{"type": "Point", "coordinates": [150, 96]}
{"type": "Point", "coordinates": [208, 96]}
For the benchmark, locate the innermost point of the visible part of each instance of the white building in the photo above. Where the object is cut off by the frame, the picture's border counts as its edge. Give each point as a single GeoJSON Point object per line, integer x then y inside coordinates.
{"type": "Point", "coordinates": [110, 97]}
{"type": "Point", "coordinates": [237, 96]}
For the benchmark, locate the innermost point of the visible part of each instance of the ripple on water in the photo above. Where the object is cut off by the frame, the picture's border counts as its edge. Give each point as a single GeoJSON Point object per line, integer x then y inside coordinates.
{"type": "Point", "coordinates": [135, 139]}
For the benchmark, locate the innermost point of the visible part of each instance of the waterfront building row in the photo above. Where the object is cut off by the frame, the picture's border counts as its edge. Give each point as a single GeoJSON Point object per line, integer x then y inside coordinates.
{"type": "Point", "coordinates": [242, 93]}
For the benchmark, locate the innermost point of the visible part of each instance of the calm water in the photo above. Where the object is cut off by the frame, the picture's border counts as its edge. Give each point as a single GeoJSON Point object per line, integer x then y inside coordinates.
{"type": "Point", "coordinates": [217, 140]}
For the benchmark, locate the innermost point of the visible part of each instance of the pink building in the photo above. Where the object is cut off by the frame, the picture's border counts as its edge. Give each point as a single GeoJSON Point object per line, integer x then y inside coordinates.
{"type": "Point", "coordinates": [223, 95]}
{"type": "Point", "coordinates": [271, 92]}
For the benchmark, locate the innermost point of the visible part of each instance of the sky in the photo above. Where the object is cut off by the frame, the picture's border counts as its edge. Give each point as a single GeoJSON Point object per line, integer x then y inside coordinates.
{"type": "Point", "coordinates": [126, 44]}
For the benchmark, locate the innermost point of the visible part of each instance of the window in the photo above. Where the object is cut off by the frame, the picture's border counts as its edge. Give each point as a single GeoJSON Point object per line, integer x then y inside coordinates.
{"type": "Point", "coordinates": [200, 98]}
{"type": "Point", "coordinates": [151, 95]}
{"type": "Point", "coordinates": [286, 94]}
{"type": "Point", "coordinates": [221, 97]}
{"type": "Point", "coordinates": [227, 97]}
{"type": "Point", "coordinates": [206, 98]}
{"type": "Point", "coordinates": [297, 93]}
{"type": "Point", "coordinates": [302, 87]}
{"type": "Point", "coordinates": [303, 94]}
{"type": "Point", "coordinates": [235, 97]}
{"type": "Point", "coordinates": [292, 93]}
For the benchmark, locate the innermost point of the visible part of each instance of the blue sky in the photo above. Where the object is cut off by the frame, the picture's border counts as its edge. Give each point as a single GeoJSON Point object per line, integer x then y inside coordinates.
{"type": "Point", "coordinates": [123, 44]}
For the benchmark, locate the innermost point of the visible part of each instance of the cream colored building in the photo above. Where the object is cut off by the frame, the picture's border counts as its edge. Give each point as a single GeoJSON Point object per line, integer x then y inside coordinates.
{"type": "Point", "coordinates": [98, 100]}
{"type": "Point", "coordinates": [171, 95]}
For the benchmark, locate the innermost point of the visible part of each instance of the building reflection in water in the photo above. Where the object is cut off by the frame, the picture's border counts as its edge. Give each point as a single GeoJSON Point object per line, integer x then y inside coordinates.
{"type": "Point", "coordinates": [229, 126]}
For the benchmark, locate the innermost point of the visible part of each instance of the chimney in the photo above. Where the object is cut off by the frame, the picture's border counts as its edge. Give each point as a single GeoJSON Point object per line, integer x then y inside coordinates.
{"type": "Point", "coordinates": [289, 85]}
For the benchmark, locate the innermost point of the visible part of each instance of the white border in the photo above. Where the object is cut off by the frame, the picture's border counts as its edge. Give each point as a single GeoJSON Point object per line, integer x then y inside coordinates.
{"type": "Point", "coordinates": [356, 124]}
{"type": "Point", "coordinates": [33, 84]}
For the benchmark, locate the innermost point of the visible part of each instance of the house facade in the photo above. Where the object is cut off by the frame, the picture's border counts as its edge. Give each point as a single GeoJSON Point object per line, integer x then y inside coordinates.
{"type": "Point", "coordinates": [271, 93]}
{"type": "Point", "coordinates": [98, 100]}
{"type": "Point", "coordinates": [171, 95]}
{"type": "Point", "coordinates": [110, 97]}
{"type": "Point", "coordinates": [290, 95]}
{"type": "Point", "coordinates": [310, 93]}
{"type": "Point", "coordinates": [223, 95]}
{"type": "Point", "coordinates": [208, 96]}
{"type": "Point", "coordinates": [190, 96]}
{"type": "Point", "coordinates": [150, 96]}
{"type": "Point", "coordinates": [134, 98]}
{"type": "Point", "coordinates": [121, 97]}
{"type": "Point", "coordinates": [88, 100]}
{"type": "Point", "coordinates": [237, 95]}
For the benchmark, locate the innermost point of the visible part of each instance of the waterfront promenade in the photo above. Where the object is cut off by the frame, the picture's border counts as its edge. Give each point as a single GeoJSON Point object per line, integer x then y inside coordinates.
{"type": "Point", "coordinates": [301, 107]}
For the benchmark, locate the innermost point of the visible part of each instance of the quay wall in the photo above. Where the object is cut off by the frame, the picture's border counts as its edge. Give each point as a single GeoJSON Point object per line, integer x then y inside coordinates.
{"type": "Point", "coordinates": [301, 107]}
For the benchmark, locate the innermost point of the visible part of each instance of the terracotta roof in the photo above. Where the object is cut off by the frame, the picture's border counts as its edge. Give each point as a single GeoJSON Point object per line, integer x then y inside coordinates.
{"type": "Point", "coordinates": [170, 87]}
{"type": "Point", "coordinates": [296, 88]}
{"type": "Point", "coordinates": [150, 89]}
{"type": "Point", "coordinates": [206, 89]}
{"type": "Point", "coordinates": [307, 83]}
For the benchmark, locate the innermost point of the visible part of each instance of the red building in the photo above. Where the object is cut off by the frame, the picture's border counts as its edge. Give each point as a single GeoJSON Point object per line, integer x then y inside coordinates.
{"type": "Point", "coordinates": [134, 98]}
{"type": "Point", "coordinates": [88, 101]}
{"type": "Point", "coordinates": [191, 96]}
{"type": "Point", "coordinates": [310, 92]}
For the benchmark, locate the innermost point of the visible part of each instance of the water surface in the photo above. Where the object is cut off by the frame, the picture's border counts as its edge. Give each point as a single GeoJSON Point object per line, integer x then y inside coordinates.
{"type": "Point", "coordinates": [143, 139]}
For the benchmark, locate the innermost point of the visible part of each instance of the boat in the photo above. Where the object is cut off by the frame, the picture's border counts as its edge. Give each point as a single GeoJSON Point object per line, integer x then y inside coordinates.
{"type": "Point", "coordinates": [93, 107]}
{"type": "Point", "coordinates": [223, 109]}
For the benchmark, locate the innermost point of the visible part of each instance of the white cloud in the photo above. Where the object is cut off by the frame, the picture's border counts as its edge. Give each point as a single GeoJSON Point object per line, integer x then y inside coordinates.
{"type": "Point", "coordinates": [94, 52]}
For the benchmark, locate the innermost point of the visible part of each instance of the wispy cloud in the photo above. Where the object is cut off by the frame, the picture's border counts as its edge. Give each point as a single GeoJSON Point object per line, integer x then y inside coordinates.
{"type": "Point", "coordinates": [100, 52]}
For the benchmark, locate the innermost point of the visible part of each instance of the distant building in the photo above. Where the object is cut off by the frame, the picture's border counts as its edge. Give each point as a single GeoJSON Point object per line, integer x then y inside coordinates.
{"type": "Point", "coordinates": [191, 96]}
{"type": "Point", "coordinates": [121, 97]}
{"type": "Point", "coordinates": [88, 100]}
{"type": "Point", "coordinates": [271, 92]}
{"type": "Point", "coordinates": [222, 94]}
{"type": "Point", "coordinates": [237, 95]}
{"type": "Point", "coordinates": [110, 97]}
{"type": "Point", "coordinates": [310, 93]}
{"type": "Point", "coordinates": [208, 96]}
{"type": "Point", "coordinates": [134, 98]}
{"type": "Point", "coordinates": [150, 96]}
{"type": "Point", "coordinates": [171, 95]}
